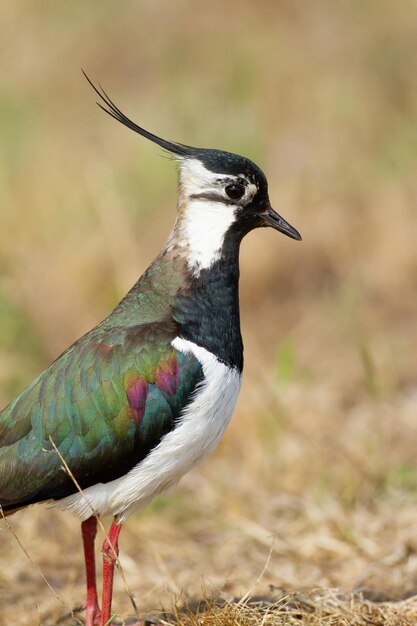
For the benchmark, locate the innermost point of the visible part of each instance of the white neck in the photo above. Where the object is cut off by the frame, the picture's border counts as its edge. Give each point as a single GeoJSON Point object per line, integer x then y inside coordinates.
{"type": "Point", "coordinates": [202, 230]}
{"type": "Point", "coordinates": [201, 223]}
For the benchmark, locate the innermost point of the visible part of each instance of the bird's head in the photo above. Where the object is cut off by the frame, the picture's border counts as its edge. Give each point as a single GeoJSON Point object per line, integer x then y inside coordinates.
{"type": "Point", "coordinates": [234, 183]}
{"type": "Point", "coordinates": [221, 194]}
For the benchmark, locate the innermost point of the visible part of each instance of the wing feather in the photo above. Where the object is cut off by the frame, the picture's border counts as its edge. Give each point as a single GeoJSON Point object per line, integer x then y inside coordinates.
{"type": "Point", "coordinates": [106, 402]}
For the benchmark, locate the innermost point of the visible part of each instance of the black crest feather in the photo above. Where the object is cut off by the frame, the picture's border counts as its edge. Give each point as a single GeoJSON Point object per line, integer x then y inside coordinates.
{"type": "Point", "coordinates": [111, 109]}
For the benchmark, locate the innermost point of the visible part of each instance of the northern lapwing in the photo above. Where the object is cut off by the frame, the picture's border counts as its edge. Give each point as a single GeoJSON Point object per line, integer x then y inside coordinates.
{"type": "Point", "coordinates": [144, 396]}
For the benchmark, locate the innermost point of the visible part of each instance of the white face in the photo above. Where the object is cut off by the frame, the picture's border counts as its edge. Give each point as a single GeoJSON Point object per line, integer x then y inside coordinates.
{"type": "Point", "coordinates": [207, 211]}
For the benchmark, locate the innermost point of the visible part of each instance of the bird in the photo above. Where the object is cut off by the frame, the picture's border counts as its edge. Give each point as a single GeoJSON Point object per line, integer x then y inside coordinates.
{"type": "Point", "coordinates": [144, 396]}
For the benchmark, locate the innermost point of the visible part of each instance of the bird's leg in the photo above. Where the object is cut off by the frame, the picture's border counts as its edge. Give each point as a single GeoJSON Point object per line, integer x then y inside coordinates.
{"type": "Point", "coordinates": [110, 553]}
{"type": "Point", "coordinates": [92, 609]}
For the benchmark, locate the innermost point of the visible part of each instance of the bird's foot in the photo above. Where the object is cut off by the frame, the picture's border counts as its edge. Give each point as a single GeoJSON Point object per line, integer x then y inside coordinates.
{"type": "Point", "coordinates": [93, 618]}
{"type": "Point", "coordinates": [150, 621]}
{"type": "Point", "coordinates": [93, 615]}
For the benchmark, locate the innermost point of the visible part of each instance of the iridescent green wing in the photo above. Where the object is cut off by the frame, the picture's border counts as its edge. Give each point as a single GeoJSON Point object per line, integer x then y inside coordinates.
{"type": "Point", "coordinates": [105, 403]}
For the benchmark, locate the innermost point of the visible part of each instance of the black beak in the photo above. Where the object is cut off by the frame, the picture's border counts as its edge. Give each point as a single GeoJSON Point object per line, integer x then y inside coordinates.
{"type": "Point", "coordinates": [271, 218]}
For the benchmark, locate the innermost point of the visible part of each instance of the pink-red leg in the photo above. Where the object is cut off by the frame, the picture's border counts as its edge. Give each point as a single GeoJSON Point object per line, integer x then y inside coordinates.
{"type": "Point", "coordinates": [92, 609]}
{"type": "Point", "coordinates": [110, 553]}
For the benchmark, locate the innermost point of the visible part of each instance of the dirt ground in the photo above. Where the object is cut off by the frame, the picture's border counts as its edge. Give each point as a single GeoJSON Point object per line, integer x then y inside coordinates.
{"type": "Point", "coordinates": [310, 499]}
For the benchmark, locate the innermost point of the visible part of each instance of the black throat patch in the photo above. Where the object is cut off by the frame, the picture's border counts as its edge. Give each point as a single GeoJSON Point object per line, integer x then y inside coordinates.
{"type": "Point", "coordinates": [208, 311]}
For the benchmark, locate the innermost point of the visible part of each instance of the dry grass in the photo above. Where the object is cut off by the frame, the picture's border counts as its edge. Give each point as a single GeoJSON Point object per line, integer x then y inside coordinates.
{"type": "Point", "coordinates": [324, 608]}
{"type": "Point", "coordinates": [318, 467]}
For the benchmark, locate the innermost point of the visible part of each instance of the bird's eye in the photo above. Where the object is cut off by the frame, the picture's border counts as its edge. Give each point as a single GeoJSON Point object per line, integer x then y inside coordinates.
{"type": "Point", "coordinates": [235, 191]}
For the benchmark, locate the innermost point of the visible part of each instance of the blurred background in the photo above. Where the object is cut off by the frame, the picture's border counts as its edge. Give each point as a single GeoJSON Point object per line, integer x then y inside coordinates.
{"type": "Point", "coordinates": [321, 452]}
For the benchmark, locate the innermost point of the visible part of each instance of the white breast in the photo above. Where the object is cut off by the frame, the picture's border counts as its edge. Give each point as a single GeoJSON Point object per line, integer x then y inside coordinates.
{"type": "Point", "coordinates": [199, 430]}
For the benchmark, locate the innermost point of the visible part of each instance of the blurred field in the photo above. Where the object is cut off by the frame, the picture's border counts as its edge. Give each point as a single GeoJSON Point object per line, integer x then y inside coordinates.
{"type": "Point", "coordinates": [319, 465]}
